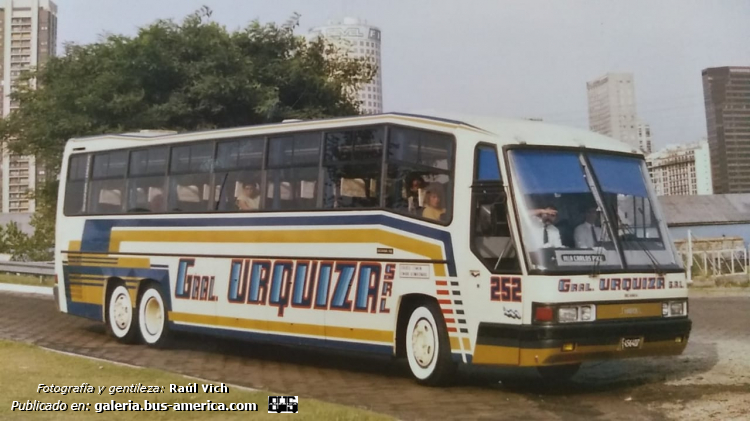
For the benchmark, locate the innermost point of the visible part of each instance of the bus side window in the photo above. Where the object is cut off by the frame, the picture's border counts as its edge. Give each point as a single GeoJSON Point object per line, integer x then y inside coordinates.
{"type": "Point", "coordinates": [108, 183]}
{"type": "Point", "coordinates": [491, 240]}
{"type": "Point", "coordinates": [418, 175]}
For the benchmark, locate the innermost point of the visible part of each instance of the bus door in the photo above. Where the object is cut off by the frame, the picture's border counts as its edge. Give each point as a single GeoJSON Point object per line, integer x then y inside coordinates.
{"type": "Point", "coordinates": [496, 267]}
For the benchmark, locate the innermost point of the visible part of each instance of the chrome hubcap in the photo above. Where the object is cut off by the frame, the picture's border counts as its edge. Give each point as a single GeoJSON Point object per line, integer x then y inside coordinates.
{"type": "Point", "coordinates": [423, 343]}
{"type": "Point", "coordinates": [122, 311]}
{"type": "Point", "coordinates": [154, 316]}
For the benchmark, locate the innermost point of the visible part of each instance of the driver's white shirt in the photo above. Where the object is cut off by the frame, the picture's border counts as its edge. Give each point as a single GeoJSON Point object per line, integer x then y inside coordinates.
{"type": "Point", "coordinates": [536, 240]}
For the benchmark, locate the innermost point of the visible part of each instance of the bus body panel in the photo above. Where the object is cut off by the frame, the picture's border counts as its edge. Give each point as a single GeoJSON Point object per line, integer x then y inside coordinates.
{"type": "Point", "coordinates": [338, 278]}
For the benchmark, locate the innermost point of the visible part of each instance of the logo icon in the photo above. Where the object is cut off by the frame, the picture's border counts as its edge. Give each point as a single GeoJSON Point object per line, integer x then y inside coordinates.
{"type": "Point", "coordinates": [282, 404]}
{"type": "Point", "coordinates": [512, 313]}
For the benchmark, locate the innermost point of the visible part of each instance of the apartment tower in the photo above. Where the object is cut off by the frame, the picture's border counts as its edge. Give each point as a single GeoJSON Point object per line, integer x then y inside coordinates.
{"type": "Point", "coordinates": [28, 35]}
{"type": "Point", "coordinates": [726, 91]}
{"type": "Point", "coordinates": [359, 40]}
{"type": "Point", "coordinates": [612, 110]}
{"type": "Point", "coordinates": [681, 170]}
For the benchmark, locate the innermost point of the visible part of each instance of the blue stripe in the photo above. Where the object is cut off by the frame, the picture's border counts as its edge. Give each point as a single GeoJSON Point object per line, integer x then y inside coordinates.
{"type": "Point", "coordinates": [284, 339]}
{"type": "Point", "coordinates": [96, 232]}
{"type": "Point", "coordinates": [89, 311]}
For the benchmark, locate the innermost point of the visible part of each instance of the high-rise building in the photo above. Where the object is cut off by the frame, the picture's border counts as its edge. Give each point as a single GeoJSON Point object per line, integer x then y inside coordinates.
{"type": "Point", "coordinates": [29, 38]}
{"type": "Point", "coordinates": [681, 170]}
{"type": "Point", "coordinates": [612, 110]}
{"type": "Point", "coordinates": [726, 91]}
{"type": "Point", "coordinates": [644, 137]}
{"type": "Point", "coordinates": [359, 40]}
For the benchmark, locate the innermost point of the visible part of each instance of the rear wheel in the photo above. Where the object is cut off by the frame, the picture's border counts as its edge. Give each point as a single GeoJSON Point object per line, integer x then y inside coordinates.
{"type": "Point", "coordinates": [428, 347]}
{"type": "Point", "coordinates": [559, 373]}
{"type": "Point", "coordinates": [121, 318]}
{"type": "Point", "coordinates": [152, 317]}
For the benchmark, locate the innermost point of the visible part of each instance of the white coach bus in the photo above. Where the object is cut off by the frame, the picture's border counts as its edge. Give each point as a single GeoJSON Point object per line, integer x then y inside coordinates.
{"type": "Point", "coordinates": [479, 241]}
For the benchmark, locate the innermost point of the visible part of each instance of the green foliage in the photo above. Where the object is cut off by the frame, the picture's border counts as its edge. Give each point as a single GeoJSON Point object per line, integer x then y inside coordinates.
{"type": "Point", "coordinates": [177, 76]}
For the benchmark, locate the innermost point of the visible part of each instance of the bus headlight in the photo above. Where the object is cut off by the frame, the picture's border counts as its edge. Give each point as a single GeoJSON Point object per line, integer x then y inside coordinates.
{"type": "Point", "coordinates": [579, 313]}
{"type": "Point", "coordinates": [674, 308]}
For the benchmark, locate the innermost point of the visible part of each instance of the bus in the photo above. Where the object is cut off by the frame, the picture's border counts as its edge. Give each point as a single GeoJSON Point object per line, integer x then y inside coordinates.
{"type": "Point", "coordinates": [442, 240]}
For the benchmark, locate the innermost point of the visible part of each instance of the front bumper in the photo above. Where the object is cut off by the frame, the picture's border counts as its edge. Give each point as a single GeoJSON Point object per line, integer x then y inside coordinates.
{"type": "Point", "coordinates": [543, 345]}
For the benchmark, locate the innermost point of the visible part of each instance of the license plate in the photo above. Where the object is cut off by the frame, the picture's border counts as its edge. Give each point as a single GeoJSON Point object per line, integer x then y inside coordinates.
{"type": "Point", "coordinates": [631, 343]}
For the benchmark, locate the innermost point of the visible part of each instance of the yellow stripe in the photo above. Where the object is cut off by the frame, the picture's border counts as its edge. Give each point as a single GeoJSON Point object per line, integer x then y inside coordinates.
{"type": "Point", "coordinates": [496, 355]}
{"type": "Point", "coordinates": [347, 236]}
{"type": "Point", "coordinates": [285, 327]}
{"type": "Point", "coordinates": [526, 357]}
{"type": "Point", "coordinates": [467, 344]}
{"type": "Point", "coordinates": [74, 246]}
{"type": "Point", "coordinates": [628, 311]}
{"type": "Point", "coordinates": [455, 345]}
{"type": "Point", "coordinates": [87, 294]}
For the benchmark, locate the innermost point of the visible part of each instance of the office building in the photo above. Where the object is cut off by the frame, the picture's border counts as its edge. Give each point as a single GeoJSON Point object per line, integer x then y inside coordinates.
{"type": "Point", "coordinates": [359, 40]}
{"type": "Point", "coordinates": [681, 170]}
{"type": "Point", "coordinates": [644, 137]}
{"type": "Point", "coordinates": [726, 92]}
{"type": "Point", "coordinates": [612, 110]}
{"type": "Point", "coordinates": [29, 38]}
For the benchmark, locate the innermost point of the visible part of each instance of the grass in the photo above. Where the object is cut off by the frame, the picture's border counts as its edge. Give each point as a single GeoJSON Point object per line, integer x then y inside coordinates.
{"type": "Point", "coordinates": [11, 278]}
{"type": "Point", "coordinates": [25, 366]}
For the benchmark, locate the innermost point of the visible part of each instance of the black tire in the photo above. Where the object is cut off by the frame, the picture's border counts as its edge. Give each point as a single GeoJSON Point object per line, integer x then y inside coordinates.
{"type": "Point", "coordinates": [558, 373]}
{"type": "Point", "coordinates": [428, 347]}
{"type": "Point", "coordinates": [153, 319]}
{"type": "Point", "coordinates": [121, 318]}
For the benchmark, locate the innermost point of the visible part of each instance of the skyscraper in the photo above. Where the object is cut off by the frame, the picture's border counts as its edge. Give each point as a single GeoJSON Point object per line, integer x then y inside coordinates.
{"type": "Point", "coordinates": [612, 110]}
{"type": "Point", "coordinates": [644, 137]}
{"type": "Point", "coordinates": [29, 38]}
{"type": "Point", "coordinates": [360, 40]}
{"type": "Point", "coordinates": [726, 91]}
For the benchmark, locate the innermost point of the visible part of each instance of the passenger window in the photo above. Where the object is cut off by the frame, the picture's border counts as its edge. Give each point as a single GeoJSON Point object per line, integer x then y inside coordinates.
{"type": "Point", "coordinates": [108, 183]}
{"type": "Point", "coordinates": [491, 240]}
{"type": "Point", "coordinates": [238, 175]}
{"type": "Point", "coordinates": [147, 180]}
{"type": "Point", "coordinates": [190, 178]}
{"type": "Point", "coordinates": [418, 181]}
{"type": "Point", "coordinates": [75, 188]}
{"type": "Point", "coordinates": [352, 165]}
{"type": "Point", "coordinates": [293, 172]}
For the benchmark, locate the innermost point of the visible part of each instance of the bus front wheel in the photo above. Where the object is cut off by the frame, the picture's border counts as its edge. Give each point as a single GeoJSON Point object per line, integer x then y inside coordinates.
{"type": "Point", "coordinates": [121, 317]}
{"type": "Point", "coordinates": [428, 347]}
{"type": "Point", "coordinates": [152, 317]}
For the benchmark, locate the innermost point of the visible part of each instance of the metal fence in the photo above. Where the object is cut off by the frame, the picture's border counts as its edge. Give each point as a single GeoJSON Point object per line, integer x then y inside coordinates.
{"type": "Point", "coordinates": [40, 269]}
{"type": "Point", "coordinates": [707, 257]}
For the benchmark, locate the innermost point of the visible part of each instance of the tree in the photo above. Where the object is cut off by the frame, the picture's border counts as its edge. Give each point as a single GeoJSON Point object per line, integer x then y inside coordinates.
{"type": "Point", "coordinates": [177, 76]}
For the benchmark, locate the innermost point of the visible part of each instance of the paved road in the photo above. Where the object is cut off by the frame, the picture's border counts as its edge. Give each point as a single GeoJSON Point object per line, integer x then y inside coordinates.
{"type": "Point", "coordinates": [715, 363]}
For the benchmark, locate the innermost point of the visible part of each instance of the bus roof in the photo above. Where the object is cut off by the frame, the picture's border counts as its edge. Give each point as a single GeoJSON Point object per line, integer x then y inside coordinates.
{"type": "Point", "coordinates": [504, 131]}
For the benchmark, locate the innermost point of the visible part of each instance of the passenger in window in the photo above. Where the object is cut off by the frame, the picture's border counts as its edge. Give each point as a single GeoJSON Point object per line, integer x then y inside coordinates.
{"type": "Point", "coordinates": [157, 203]}
{"type": "Point", "coordinates": [249, 197]}
{"type": "Point", "coordinates": [588, 235]}
{"type": "Point", "coordinates": [416, 188]}
{"type": "Point", "coordinates": [434, 203]}
{"type": "Point", "coordinates": [545, 232]}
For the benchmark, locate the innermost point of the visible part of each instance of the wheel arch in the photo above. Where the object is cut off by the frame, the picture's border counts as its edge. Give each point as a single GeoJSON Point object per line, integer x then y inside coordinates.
{"type": "Point", "coordinates": [407, 304]}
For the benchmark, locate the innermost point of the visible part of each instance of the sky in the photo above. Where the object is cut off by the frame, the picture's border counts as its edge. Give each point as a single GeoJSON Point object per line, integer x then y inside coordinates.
{"type": "Point", "coordinates": [526, 59]}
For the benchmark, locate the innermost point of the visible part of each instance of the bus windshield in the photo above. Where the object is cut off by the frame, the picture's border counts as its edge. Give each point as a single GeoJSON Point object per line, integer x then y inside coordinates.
{"type": "Point", "coordinates": [585, 212]}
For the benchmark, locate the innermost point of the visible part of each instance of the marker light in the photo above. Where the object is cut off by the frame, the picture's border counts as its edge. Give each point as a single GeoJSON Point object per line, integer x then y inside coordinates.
{"type": "Point", "coordinates": [543, 314]}
{"type": "Point", "coordinates": [568, 347]}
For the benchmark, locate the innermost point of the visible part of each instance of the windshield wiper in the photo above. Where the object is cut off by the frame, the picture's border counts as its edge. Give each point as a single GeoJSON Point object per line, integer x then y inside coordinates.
{"type": "Point", "coordinates": [654, 262]}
